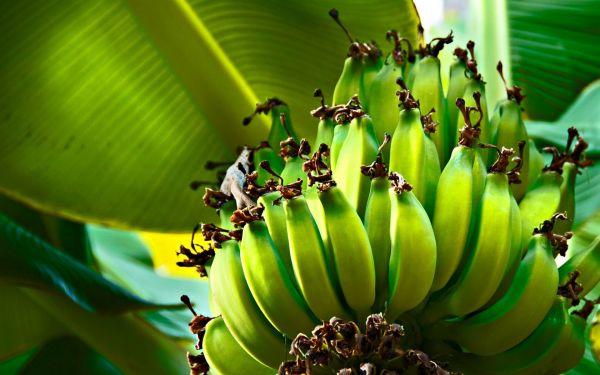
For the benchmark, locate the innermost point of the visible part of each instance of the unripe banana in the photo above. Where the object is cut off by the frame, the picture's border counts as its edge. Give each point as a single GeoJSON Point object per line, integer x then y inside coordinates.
{"type": "Point", "coordinates": [312, 266]}
{"type": "Point", "coordinates": [274, 217]}
{"type": "Point", "coordinates": [326, 126]}
{"type": "Point", "coordinates": [540, 203]}
{"type": "Point", "coordinates": [377, 224]}
{"type": "Point", "coordinates": [536, 164]}
{"type": "Point", "coordinates": [586, 264]}
{"type": "Point", "coordinates": [532, 356]}
{"type": "Point", "coordinates": [530, 294]}
{"type": "Point", "coordinates": [459, 192]}
{"type": "Point", "coordinates": [270, 283]}
{"type": "Point", "coordinates": [360, 148]}
{"type": "Point", "coordinates": [485, 266]}
{"type": "Point", "coordinates": [352, 253]}
{"type": "Point", "coordinates": [373, 62]}
{"type": "Point", "coordinates": [509, 129]}
{"type": "Point", "coordinates": [411, 153]}
{"type": "Point", "coordinates": [384, 88]}
{"type": "Point", "coordinates": [241, 314]}
{"type": "Point", "coordinates": [413, 250]}
{"type": "Point", "coordinates": [225, 356]}
{"type": "Point", "coordinates": [427, 88]}
{"type": "Point", "coordinates": [457, 81]}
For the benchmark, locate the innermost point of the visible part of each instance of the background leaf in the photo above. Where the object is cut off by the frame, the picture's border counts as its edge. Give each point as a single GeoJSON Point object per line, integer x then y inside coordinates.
{"type": "Point", "coordinates": [107, 114]}
{"type": "Point", "coordinates": [27, 260]}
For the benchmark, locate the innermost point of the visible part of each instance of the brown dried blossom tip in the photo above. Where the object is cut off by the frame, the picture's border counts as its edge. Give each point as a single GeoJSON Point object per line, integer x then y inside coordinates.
{"type": "Point", "coordinates": [241, 217]}
{"type": "Point", "coordinates": [575, 157]}
{"type": "Point", "coordinates": [342, 348]}
{"type": "Point", "coordinates": [324, 112]}
{"type": "Point", "coordinates": [405, 98]}
{"type": "Point", "coordinates": [215, 198]}
{"type": "Point", "coordinates": [471, 70]}
{"type": "Point", "coordinates": [198, 364]}
{"type": "Point", "coordinates": [264, 107]}
{"type": "Point", "coordinates": [195, 258]}
{"type": "Point", "coordinates": [254, 190]}
{"type": "Point", "coordinates": [587, 308]}
{"type": "Point", "coordinates": [378, 168]}
{"type": "Point", "coordinates": [357, 50]}
{"type": "Point", "coordinates": [316, 169]}
{"type": "Point", "coordinates": [398, 54]}
{"type": "Point", "coordinates": [429, 124]}
{"type": "Point", "coordinates": [198, 323]}
{"type": "Point", "coordinates": [217, 235]}
{"type": "Point", "coordinates": [571, 288]}
{"type": "Point", "coordinates": [290, 148]}
{"type": "Point", "coordinates": [558, 242]}
{"type": "Point", "coordinates": [434, 47]}
{"type": "Point", "coordinates": [504, 154]}
{"type": "Point", "coordinates": [512, 93]}
{"type": "Point", "coordinates": [399, 184]}
{"type": "Point", "coordinates": [470, 132]}
{"type": "Point", "coordinates": [348, 112]}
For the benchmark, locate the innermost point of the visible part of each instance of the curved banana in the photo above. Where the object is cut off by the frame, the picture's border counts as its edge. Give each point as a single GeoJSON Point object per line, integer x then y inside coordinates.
{"type": "Point", "coordinates": [452, 213]}
{"type": "Point", "coordinates": [457, 80]}
{"type": "Point", "coordinates": [532, 356]}
{"type": "Point", "coordinates": [359, 148]}
{"type": "Point", "coordinates": [384, 88]}
{"type": "Point", "coordinates": [485, 265]}
{"type": "Point", "coordinates": [373, 62]}
{"type": "Point", "coordinates": [270, 283]}
{"type": "Point", "coordinates": [458, 196]}
{"type": "Point", "coordinates": [536, 164]}
{"type": "Point", "coordinates": [413, 250]}
{"type": "Point", "coordinates": [509, 130]}
{"type": "Point", "coordinates": [541, 202]}
{"type": "Point", "coordinates": [340, 133]}
{"type": "Point", "coordinates": [428, 90]}
{"type": "Point", "coordinates": [572, 349]}
{"type": "Point", "coordinates": [274, 217]}
{"type": "Point", "coordinates": [327, 124]}
{"type": "Point", "coordinates": [352, 253]}
{"type": "Point", "coordinates": [377, 224]}
{"type": "Point", "coordinates": [530, 295]}
{"type": "Point", "coordinates": [241, 314]}
{"type": "Point", "coordinates": [312, 266]}
{"type": "Point", "coordinates": [587, 264]}
{"type": "Point", "coordinates": [409, 154]}
{"type": "Point", "coordinates": [225, 356]}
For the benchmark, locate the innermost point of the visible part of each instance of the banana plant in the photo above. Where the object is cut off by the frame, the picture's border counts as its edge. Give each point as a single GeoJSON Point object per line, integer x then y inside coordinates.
{"type": "Point", "coordinates": [115, 112]}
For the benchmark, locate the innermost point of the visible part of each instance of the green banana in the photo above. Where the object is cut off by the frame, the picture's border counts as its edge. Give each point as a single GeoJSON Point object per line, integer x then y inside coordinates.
{"type": "Point", "coordinates": [457, 80]}
{"type": "Point", "coordinates": [274, 217]}
{"type": "Point", "coordinates": [225, 356]}
{"type": "Point", "coordinates": [413, 250]}
{"type": "Point", "coordinates": [384, 88]}
{"type": "Point", "coordinates": [530, 294]}
{"type": "Point", "coordinates": [572, 349]}
{"type": "Point", "coordinates": [313, 267]}
{"type": "Point", "coordinates": [372, 64]}
{"type": "Point", "coordinates": [326, 126]}
{"type": "Point", "coordinates": [409, 154]}
{"type": "Point", "coordinates": [431, 166]}
{"type": "Point", "coordinates": [458, 194]}
{"type": "Point", "coordinates": [540, 203]}
{"type": "Point", "coordinates": [486, 263]}
{"type": "Point", "coordinates": [532, 356]}
{"type": "Point", "coordinates": [352, 253]}
{"type": "Point", "coordinates": [359, 148]}
{"type": "Point", "coordinates": [572, 166]}
{"type": "Point", "coordinates": [586, 263]}
{"type": "Point", "coordinates": [270, 283]}
{"type": "Point", "coordinates": [428, 90]}
{"type": "Point", "coordinates": [241, 314]}
{"type": "Point", "coordinates": [536, 164]}
{"type": "Point", "coordinates": [509, 129]}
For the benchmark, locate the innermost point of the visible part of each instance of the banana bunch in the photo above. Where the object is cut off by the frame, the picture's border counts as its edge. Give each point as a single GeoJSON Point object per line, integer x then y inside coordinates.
{"type": "Point", "coordinates": [416, 223]}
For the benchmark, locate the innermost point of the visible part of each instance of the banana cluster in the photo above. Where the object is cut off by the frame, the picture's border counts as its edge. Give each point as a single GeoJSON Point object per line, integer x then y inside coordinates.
{"type": "Point", "coordinates": [448, 228]}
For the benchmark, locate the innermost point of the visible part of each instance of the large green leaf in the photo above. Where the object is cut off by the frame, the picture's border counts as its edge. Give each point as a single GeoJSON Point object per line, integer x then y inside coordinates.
{"type": "Point", "coordinates": [27, 260]}
{"type": "Point", "coordinates": [554, 51]}
{"type": "Point", "coordinates": [548, 48]}
{"type": "Point", "coordinates": [110, 108]}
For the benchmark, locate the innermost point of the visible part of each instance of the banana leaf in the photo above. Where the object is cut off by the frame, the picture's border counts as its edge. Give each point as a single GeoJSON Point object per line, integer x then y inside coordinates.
{"type": "Point", "coordinates": [110, 108]}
